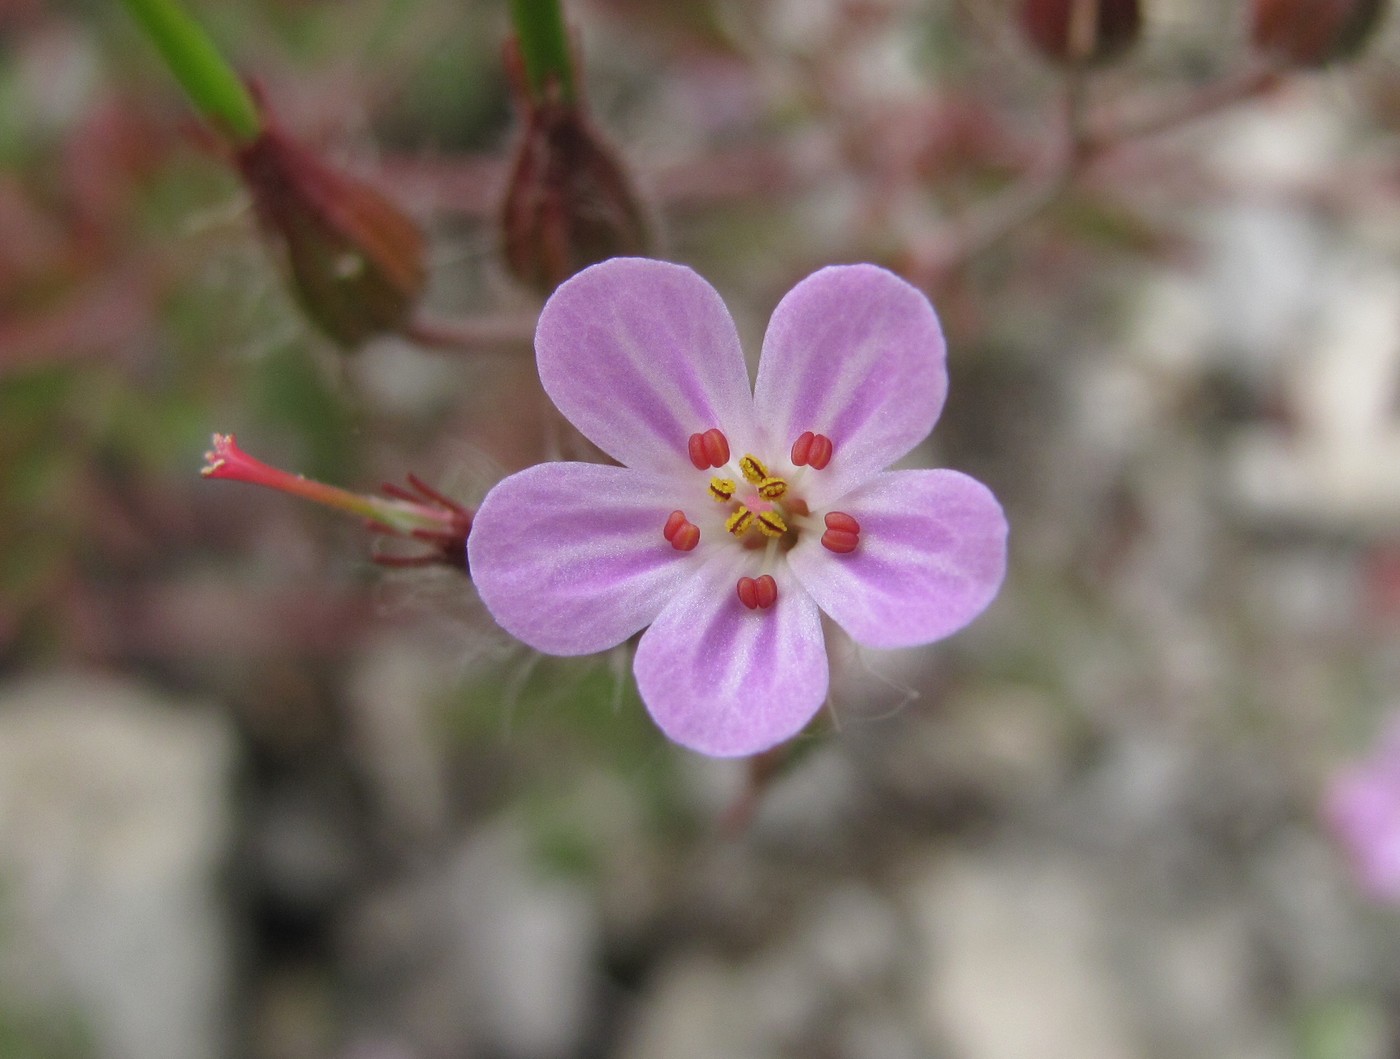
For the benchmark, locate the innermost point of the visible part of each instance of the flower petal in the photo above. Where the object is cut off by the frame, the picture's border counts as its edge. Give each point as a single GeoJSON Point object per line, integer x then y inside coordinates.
{"type": "Point", "coordinates": [728, 681]}
{"type": "Point", "coordinates": [639, 355]}
{"type": "Point", "coordinates": [570, 557]}
{"type": "Point", "coordinates": [855, 353]}
{"type": "Point", "coordinates": [931, 556]}
{"type": "Point", "coordinates": [1363, 811]}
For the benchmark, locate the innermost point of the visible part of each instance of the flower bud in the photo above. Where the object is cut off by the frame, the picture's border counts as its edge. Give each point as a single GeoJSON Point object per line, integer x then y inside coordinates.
{"type": "Point", "coordinates": [1081, 31]}
{"type": "Point", "coordinates": [569, 202]}
{"type": "Point", "coordinates": [356, 262]}
{"type": "Point", "coordinates": [1313, 33]}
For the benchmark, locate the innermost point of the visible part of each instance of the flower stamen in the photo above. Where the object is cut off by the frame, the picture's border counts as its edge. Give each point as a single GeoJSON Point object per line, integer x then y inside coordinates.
{"type": "Point", "coordinates": [753, 470]}
{"type": "Point", "coordinates": [757, 594]}
{"type": "Point", "coordinates": [739, 522]}
{"type": "Point", "coordinates": [772, 488]}
{"type": "Point", "coordinates": [722, 489]}
{"type": "Point", "coordinates": [842, 533]}
{"type": "Point", "coordinates": [683, 534]}
{"type": "Point", "coordinates": [812, 450]}
{"type": "Point", "coordinates": [770, 523]}
{"type": "Point", "coordinates": [710, 449]}
{"type": "Point", "coordinates": [839, 520]}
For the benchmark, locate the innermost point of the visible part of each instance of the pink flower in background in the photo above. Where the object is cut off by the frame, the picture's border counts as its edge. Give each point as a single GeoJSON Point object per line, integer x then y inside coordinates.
{"type": "Point", "coordinates": [1363, 811]}
{"type": "Point", "coordinates": [737, 516]}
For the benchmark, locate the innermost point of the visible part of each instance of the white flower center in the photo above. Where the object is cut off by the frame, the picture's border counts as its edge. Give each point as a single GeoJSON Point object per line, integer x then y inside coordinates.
{"type": "Point", "coordinates": [763, 513]}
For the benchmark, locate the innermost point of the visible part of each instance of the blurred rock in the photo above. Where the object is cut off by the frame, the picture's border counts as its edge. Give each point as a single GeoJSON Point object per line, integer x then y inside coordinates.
{"type": "Point", "coordinates": [394, 692]}
{"type": "Point", "coordinates": [1017, 965]}
{"type": "Point", "coordinates": [1338, 468]}
{"type": "Point", "coordinates": [527, 946]}
{"type": "Point", "coordinates": [114, 822]}
{"type": "Point", "coordinates": [829, 981]}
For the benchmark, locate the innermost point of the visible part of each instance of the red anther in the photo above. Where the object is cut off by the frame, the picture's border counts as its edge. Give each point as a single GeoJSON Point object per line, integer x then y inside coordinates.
{"type": "Point", "coordinates": [710, 449]}
{"type": "Point", "coordinates": [841, 542]}
{"type": "Point", "coordinates": [839, 520]}
{"type": "Point", "coordinates": [686, 538]}
{"type": "Point", "coordinates": [802, 448]}
{"type": "Point", "coordinates": [748, 592]}
{"type": "Point", "coordinates": [716, 447]}
{"type": "Point", "coordinates": [698, 455]}
{"type": "Point", "coordinates": [819, 455]}
{"type": "Point", "coordinates": [757, 594]}
{"type": "Point", "coordinates": [673, 523]}
{"type": "Point", "coordinates": [766, 590]}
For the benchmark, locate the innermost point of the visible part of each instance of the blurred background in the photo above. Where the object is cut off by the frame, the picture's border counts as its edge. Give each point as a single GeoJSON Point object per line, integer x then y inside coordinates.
{"type": "Point", "coordinates": [263, 797]}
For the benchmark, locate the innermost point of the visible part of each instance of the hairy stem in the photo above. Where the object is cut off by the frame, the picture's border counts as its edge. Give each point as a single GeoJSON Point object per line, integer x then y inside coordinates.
{"type": "Point", "coordinates": [210, 82]}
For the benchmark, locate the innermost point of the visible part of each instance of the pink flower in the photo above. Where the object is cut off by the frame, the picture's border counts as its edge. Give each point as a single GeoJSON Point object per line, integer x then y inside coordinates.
{"type": "Point", "coordinates": [737, 516]}
{"type": "Point", "coordinates": [1363, 811]}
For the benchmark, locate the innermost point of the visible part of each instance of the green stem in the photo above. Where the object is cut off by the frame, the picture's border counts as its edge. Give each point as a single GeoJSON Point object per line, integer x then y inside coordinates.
{"type": "Point", "coordinates": [215, 89]}
{"type": "Point", "coordinates": [544, 45]}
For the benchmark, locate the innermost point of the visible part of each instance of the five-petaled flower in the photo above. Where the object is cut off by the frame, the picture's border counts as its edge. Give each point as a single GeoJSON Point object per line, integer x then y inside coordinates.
{"type": "Point", "coordinates": [738, 516]}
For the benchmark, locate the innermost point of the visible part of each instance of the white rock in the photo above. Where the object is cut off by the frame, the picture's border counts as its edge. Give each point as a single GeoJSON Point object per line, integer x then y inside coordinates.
{"type": "Point", "coordinates": [1015, 964]}
{"type": "Point", "coordinates": [528, 946]}
{"type": "Point", "coordinates": [114, 822]}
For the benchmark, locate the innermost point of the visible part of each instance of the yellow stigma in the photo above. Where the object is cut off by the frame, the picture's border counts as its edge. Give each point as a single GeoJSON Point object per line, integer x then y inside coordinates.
{"type": "Point", "coordinates": [772, 488]}
{"type": "Point", "coordinates": [771, 524]}
{"type": "Point", "coordinates": [753, 470]}
{"type": "Point", "coordinates": [722, 489]}
{"type": "Point", "coordinates": [739, 522]}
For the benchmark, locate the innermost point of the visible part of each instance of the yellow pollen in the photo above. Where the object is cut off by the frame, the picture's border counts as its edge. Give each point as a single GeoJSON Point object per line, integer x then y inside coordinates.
{"type": "Point", "coordinates": [722, 488]}
{"type": "Point", "coordinates": [739, 522]}
{"type": "Point", "coordinates": [771, 524]}
{"type": "Point", "coordinates": [772, 488]}
{"type": "Point", "coordinates": [754, 471]}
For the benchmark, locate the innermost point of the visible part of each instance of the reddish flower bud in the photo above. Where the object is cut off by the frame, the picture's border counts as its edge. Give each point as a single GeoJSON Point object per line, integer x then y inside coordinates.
{"type": "Point", "coordinates": [569, 202]}
{"type": "Point", "coordinates": [356, 262]}
{"type": "Point", "coordinates": [1081, 31]}
{"type": "Point", "coordinates": [1313, 33]}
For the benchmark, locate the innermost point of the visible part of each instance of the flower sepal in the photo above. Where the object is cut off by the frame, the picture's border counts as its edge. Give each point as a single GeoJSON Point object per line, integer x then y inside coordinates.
{"type": "Point", "coordinates": [1079, 32]}
{"type": "Point", "coordinates": [569, 201]}
{"type": "Point", "coordinates": [356, 262]}
{"type": "Point", "coordinates": [1313, 33]}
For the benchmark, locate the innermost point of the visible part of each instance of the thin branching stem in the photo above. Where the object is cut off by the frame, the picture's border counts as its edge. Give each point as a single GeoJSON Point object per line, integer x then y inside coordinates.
{"type": "Point", "coordinates": [1081, 142]}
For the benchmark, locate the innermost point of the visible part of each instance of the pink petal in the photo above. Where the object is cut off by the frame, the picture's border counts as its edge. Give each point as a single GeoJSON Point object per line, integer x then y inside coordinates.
{"type": "Point", "coordinates": [641, 354]}
{"type": "Point", "coordinates": [570, 557]}
{"type": "Point", "coordinates": [931, 556]}
{"type": "Point", "coordinates": [728, 681]}
{"type": "Point", "coordinates": [1363, 810]}
{"type": "Point", "coordinates": [855, 353]}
